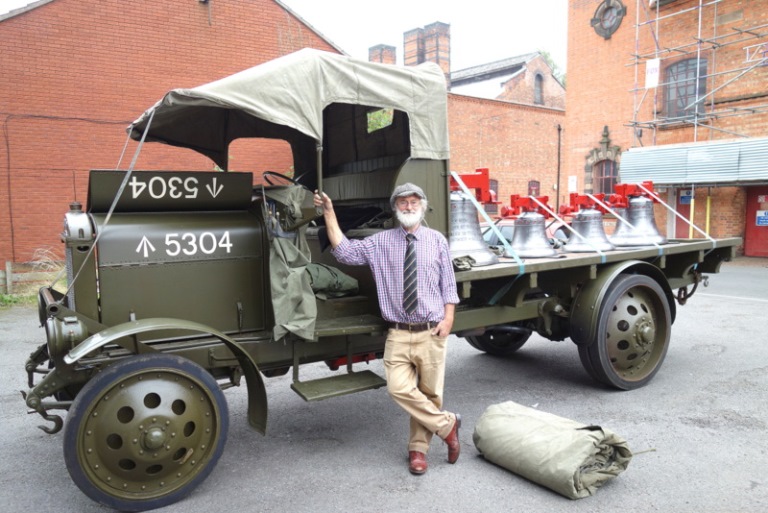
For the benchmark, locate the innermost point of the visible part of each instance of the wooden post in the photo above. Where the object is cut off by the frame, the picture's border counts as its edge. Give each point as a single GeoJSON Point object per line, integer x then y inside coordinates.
{"type": "Point", "coordinates": [8, 278]}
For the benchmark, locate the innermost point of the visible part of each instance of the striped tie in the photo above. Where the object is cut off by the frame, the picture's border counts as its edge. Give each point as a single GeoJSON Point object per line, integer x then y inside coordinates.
{"type": "Point", "coordinates": [410, 297]}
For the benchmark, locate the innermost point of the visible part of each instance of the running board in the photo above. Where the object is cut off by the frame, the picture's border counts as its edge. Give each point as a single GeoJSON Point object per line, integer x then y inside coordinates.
{"type": "Point", "coordinates": [334, 386]}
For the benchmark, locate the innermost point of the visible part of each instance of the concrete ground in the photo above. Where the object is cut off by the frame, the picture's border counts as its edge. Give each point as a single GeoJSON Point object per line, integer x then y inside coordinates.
{"type": "Point", "coordinates": [697, 430]}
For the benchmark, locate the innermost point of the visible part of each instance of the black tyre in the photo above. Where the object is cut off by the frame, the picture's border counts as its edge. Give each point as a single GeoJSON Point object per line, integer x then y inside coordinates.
{"type": "Point", "coordinates": [499, 343]}
{"type": "Point", "coordinates": [633, 332]}
{"type": "Point", "coordinates": [143, 433]}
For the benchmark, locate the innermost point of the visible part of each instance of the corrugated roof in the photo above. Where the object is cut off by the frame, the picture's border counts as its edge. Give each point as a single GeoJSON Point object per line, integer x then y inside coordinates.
{"type": "Point", "coordinates": [727, 162]}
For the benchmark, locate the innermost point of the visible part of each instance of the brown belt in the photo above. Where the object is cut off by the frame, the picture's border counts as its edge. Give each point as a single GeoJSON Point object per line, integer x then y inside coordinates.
{"type": "Point", "coordinates": [421, 326]}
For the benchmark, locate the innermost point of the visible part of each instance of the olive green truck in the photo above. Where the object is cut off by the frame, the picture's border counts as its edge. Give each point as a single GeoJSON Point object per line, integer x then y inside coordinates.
{"type": "Point", "coordinates": [182, 283]}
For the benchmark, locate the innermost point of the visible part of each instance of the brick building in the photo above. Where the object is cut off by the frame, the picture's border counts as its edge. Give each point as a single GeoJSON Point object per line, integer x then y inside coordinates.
{"type": "Point", "coordinates": [505, 115]}
{"type": "Point", "coordinates": [76, 73]}
{"type": "Point", "coordinates": [673, 91]}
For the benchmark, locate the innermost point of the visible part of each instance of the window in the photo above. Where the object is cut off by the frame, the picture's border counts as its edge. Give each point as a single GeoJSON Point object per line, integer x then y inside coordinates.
{"type": "Point", "coordinates": [604, 176]}
{"type": "Point", "coordinates": [379, 119]}
{"type": "Point", "coordinates": [685, 83]}
{"type": "Point", "coordinates": [538, 86]}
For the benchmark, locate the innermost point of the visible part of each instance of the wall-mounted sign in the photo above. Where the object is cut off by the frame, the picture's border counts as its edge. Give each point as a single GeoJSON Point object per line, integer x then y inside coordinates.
{"type": "Point", "coordinates": [652, 67]}
{"type": "Point", "coordinates": [762, 218]}
{"type": "Point", "coordinates": [573, 183]}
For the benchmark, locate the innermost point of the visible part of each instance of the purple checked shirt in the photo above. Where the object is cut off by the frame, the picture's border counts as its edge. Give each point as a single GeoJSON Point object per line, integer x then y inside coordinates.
{"type": "Point", "coordinates": [384, 253]}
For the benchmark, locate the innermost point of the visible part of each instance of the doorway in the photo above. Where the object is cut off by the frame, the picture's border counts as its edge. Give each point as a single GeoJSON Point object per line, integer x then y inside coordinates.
{"type": "Point", "coordinates": [756, 231]}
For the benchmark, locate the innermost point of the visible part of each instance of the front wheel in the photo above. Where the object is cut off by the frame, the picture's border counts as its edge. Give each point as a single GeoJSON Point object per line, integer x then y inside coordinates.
{"type": "Point", "coordinates": [632, 336]}
{"type": "Point", "coordinates": [145, 431]}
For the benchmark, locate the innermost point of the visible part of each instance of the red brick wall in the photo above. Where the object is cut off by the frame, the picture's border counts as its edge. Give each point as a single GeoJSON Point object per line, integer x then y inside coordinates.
{"type": "Point", "coordinates": [76, 73]}
{"type": "Point", "coordinates": [602, 78]}
{"type": "Point", "coordinates": [521, 88]}
{"type": "Point", "coordinates": [517, 143]}
{"type": "Point", "coordinates": [598, 86]}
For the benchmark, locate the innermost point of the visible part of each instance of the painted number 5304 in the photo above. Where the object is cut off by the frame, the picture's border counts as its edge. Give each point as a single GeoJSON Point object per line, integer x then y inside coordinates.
{"type": "Point", "coordinates": [158, 187]}
{"type": "Point", "coordinates": [192, 243]}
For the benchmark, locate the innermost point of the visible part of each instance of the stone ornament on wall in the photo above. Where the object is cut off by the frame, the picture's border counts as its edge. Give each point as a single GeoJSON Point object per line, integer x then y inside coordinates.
{"type": "Point", "coordinates": [603, 152]}
{"type": "Point", "coordinates": [608, 17]}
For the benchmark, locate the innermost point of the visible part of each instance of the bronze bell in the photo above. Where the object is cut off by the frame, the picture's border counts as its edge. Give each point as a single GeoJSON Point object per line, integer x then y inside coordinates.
{"type": "Point", "coordinates": [529, 239]}
{"type": "Point", "coordinates": [466, 238]}
{"type": "Point", "coordinates": [639, 214]}
{"type": "Point", "coordinates": [588, 223]}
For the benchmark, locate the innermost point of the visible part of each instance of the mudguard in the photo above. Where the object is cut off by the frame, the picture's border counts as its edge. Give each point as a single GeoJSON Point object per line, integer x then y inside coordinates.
{"type": "Point", "coordinates": [257, 393]}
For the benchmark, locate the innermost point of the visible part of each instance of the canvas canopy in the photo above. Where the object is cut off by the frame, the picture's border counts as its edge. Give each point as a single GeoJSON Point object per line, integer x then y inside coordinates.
{"type": "Point", "coordinates": [285, 98]}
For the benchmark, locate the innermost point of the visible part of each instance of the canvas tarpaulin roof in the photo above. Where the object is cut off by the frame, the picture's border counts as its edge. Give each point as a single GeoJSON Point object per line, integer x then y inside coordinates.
{"type": "Point", "coordinates": [285, 98]}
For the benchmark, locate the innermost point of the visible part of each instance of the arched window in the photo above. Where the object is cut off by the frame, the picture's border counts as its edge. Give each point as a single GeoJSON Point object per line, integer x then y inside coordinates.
{"type": "Point", "coordinates": [604, 176]}
{"type": "Point", "coordinates": [685, 83]}
{"type": "Point", "coordinates": [538, 90]}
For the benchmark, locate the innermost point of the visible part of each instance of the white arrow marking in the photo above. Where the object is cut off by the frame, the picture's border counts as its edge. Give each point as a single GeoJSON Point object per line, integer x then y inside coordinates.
{"type": "Point", "coordinates": [145, 246]}
{"type": "Point", "coordinates": [214, 190]}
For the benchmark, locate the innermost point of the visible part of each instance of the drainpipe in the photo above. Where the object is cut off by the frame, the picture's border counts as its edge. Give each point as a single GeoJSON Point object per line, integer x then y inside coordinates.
{"type": "Point", "coordinates": [693, 211]}
{"type": "Point", "coordinates": [557, 198]}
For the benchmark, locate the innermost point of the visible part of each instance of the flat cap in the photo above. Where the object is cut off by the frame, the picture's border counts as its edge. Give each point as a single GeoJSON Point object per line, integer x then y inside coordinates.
{"type": "Point", "coordinates": [404, 190]}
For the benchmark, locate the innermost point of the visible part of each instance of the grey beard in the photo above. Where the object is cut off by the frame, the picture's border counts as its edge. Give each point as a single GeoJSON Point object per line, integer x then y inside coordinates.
{"type": "Point", "coordinates": [409, 220]}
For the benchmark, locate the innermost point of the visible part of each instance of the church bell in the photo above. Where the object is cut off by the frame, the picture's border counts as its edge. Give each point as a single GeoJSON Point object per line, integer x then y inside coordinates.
{"type": "Point", "coordinates": [466, 238]}
{"type": "Point", "coordinates": [529, 239]}
{"type": "Point", "coordinates": [639, 213]}
{"type": "Point", "coordinates": [588, 223]}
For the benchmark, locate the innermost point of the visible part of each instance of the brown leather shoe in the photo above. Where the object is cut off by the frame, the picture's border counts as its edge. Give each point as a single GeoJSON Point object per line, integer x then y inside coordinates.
{"type": "Point", "coordinates": [417, 462]}
{"type": "Point", "coordinates": [454, 446]}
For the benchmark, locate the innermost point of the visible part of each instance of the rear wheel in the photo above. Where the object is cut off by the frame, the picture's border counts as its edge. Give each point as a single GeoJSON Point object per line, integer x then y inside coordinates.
{"type": "Point", "coordinates": [145, 431]}
{"type": "Point", "coordinates": [499, 343]}
{"type": "Point", "coordinates": [633, 331]}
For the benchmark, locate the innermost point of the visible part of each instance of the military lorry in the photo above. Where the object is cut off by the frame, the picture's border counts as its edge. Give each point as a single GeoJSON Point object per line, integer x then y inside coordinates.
{"type": "Point", "coordinates": [182, 283]}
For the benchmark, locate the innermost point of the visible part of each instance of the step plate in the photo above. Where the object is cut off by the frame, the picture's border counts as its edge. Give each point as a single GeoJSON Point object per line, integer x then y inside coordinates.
{"type": "Point", "coordinates": [333, 386]}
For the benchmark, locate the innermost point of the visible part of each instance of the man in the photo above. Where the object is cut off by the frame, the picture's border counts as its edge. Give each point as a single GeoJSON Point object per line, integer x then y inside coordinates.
{"type": "Point", "coordinates": [419, 321]}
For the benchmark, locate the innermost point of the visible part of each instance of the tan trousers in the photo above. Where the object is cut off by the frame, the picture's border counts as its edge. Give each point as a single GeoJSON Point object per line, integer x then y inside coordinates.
{"type": "Point", "coordinates": [415, 367]}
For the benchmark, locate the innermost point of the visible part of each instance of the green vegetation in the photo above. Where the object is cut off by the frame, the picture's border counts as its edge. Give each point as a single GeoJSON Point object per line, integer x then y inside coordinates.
{"type": "Point", "coordinates": [44, 267]}
{"type": "Point", "coordinates": [379, 119]}
{"type": "Point", "coordinates": [8, 300]}
{"type": "Point", "coordinates": [556, 71]}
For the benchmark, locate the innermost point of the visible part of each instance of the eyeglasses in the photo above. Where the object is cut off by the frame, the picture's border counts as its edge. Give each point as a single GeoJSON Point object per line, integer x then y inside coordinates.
{"type": "Point", "coordinates": [402, 203]}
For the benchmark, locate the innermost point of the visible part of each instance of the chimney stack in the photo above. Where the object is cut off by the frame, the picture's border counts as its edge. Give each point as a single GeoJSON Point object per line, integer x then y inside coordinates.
{"type": "Point", "coordinates": [429, 44]}
{"type": "Point", "coordinates": [413, 47]}
{"type": "Point", "coordinates": [384, 54]}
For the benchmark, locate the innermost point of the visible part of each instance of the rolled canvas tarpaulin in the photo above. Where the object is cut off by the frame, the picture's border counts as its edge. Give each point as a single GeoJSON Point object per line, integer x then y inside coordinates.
{"type": "Point", "coordinates": [568, 457]}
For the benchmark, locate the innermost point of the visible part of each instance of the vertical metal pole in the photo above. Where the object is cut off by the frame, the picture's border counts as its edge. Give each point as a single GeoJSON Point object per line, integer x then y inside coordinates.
{"type": "Point", "coordinates": [319, 166]}
{"type": "Point", "coordinates": [693, 211]}
{"type": "Point", "coordinates": [557, 198]}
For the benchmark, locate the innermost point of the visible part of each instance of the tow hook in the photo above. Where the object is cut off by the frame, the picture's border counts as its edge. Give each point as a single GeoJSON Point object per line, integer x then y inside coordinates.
{"type": "Point", "coordinates": [34, 403]}
{"type": "Point", "coordinates": [682, 293]}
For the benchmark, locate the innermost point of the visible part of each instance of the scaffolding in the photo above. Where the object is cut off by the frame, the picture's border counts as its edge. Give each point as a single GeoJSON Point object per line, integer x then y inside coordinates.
{"type": "Point", "coordinates": [702, 111]}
